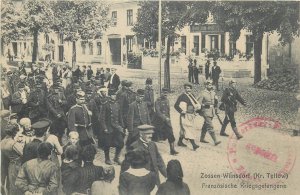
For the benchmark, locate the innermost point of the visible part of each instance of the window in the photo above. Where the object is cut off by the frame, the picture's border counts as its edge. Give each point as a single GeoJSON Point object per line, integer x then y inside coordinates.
{"type": "Point", "coordinates": [114, 18]}
{"type": "Point", "coordinates": [196, 45]}
{"type": "Point", "coordinates": [47, 38]}
{"type": "Point", "coordinates": [232, 48]}
{"type": "Point", "coordinates": [83, 46]}
{"type": "Point", "coordinates": [183, 44]}
{"type": "Point", "coordinates": [129, 42]}
{"type": "Point", "coordinates": [249, 44]}
{"type": "Point", "coordinates": [214, 42]}
{"type": "Point", "coordinates": [99, 48]}
{"type": "Point", "coordinates": [91, 49]}
{"type": "Point", "coordinates": [203, 43]}
{"type": "Point", "coordinates": [129, 17]}
{"type": "Point", "coordinates": [61, 38]}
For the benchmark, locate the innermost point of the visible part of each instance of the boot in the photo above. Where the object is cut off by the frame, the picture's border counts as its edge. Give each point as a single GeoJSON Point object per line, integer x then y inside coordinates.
{"type": "Point", "coordinates": [107, 159]}
{"type": "Point", "coordinates": [202, 136]}
{"type": "Point", "coordinates": [195, 146]}
{"type": "Point", "coordinates": [117, 156]}
{"type": "Point", "coordinates": [237, 134]}
{"type": "Point", "coordinates": [222, 132]}
{"type": "Point", "coordinates": [213, 136]}
{"type": "Point", "coordinates": [172, 149]}
{"type": "Point", "coordinates": [180, 143]}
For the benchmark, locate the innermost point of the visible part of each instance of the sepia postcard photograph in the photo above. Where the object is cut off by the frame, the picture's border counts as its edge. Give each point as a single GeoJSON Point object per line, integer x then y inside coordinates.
{"type": "Point", "coordinates": [150, 97]}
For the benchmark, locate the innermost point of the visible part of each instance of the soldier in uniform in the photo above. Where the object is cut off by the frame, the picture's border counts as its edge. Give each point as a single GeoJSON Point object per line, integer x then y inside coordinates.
{"type": "Point", "coordinates": [112, 128]}
{"type": "Point", "coordinates": [122, 89]}
{"type": "Point", "coordinates": [162, 121]}
{"type": "Point", "coordinates": [71, 95]}
{"type": "Point", "coordinates": [209, 103]}
{"type": "Point", "coordinates": [230, 98]}
{"type": "Point", "coordinates": [100, 99]}
{"type": "Point", "coordinates": [92, 106]}
{"type": "Point", "coordinates": [187, 106]}
{"type": "Point", "coordinates": [149, 97]}
{"type": "Point", "coordinates": [79, 119]}
{"type": "Point", "coordinates": [124, 99]}
{"type": "Point", "coordinates": [37, 103]}
{"type": "Point", "coordinates": [56, 103]}
{"type": "Point", "coordinates": [138, 114]}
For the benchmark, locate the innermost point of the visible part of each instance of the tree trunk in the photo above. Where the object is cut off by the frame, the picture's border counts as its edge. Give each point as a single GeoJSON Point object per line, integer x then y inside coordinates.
{"type": "Point", "coordinates": [35, 46]}
{"type": "Point", "coordinates": [74, 54]}
{"type": "Point", "coordinates": [167, 83]}
{"type": "Point", "coordinates": [2, 48]}
{"type": "Point", "coordinates": [257, 57]}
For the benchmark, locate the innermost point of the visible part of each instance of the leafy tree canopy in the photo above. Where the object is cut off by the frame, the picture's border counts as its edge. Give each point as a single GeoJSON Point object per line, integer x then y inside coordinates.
{"type": "Point", "coordinates": [259, 17]}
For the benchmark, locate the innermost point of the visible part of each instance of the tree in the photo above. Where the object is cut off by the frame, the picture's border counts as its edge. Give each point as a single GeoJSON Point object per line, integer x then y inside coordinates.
{"type": "Point", "coordinates": [175, 15]}
{"type": "Point", "coordinates": [35, 17]}
{"type": "Point", "coordinates": [80, 20]}
{"type": "Point", "coordinates": [9, 18]}
{"type": "Point", "coordinates": [259, 17]}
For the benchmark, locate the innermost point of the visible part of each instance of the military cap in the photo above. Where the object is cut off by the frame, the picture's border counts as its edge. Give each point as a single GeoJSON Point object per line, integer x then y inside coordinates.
{"type": "Point", "coordinates": [208, 82]}
{"type": "Point", "coordinates": [21, 85]}
{"type": "Point", "coordinates": [149, 81]}
{"type": "Point", "coordinates": [128, 84]}
{"type": "Point", "coordinates": [140, 92]}
{"type": "Point", "coordinates": [80, 94]}
{"type": "Point", "coordinates": [88, 91]}
{"type": "Point", "coordinates": [38, 85]}
{"type": "Point", "coordinates": [146, 128]}
{"type": "Point", "coordinates": [188, 85]}
{"type": "Point", "coordinates": [13, 116]}
{"type": "Point", "coordinates": [58, 81]}
{"type": "Point", "coordinates": [9, 72]}
{"type": "Point", "coordinates": [165, 90]}
{"type": "Point", "coordinates": [4, 113]}
{"type": "Point", "coordinates": [123, 83]}
{"type": "Point", "coordinates": [40, 125]}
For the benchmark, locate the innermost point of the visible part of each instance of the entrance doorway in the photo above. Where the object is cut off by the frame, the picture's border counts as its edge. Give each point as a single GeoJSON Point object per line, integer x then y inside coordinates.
{"type": "Point", "coordinates": [115, 50]}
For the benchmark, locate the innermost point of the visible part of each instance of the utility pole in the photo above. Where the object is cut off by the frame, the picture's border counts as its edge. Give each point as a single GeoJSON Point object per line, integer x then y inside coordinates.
{"type": "Point", "coordinates": [159, 45]}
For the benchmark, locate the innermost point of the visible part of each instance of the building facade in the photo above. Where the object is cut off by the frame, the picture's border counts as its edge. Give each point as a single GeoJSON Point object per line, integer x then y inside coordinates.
{"type": "Point", "coordinates": [118, 42]}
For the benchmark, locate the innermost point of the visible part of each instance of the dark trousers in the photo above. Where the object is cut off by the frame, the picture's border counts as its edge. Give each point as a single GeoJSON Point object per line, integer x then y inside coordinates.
{"type": "Point", "coordinates": [216, 83]}
{"type": "Point", "coordinates": [207, 76]}
{"type": "Point", "coordinates": [196, 76]}
{"type": "Point", "coordinates": [229, 118]}
{"type": "Point", "coordinates": [6, 102]}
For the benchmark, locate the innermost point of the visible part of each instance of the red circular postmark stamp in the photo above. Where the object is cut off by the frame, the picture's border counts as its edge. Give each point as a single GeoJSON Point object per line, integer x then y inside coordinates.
{"type": "Point", "coordinates": [263, 155]}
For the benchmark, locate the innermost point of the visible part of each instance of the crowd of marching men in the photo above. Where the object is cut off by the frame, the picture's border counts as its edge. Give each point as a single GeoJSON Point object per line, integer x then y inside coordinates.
{"type": "Point", "coordinates": [92, 110]}
{"type": "Point", "coordinates": [98, 110]}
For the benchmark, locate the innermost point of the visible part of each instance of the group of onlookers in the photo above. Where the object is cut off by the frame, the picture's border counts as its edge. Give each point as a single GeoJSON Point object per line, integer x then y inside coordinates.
{"type": "Point", "coordinates": [210, 72]}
